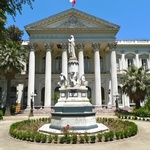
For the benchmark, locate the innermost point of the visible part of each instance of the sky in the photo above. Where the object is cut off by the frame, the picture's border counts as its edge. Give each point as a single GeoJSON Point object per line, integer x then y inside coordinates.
{"type": "Point", "coordinates": [133, 16]}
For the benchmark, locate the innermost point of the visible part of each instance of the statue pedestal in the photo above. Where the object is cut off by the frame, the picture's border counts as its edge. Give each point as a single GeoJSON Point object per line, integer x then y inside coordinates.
{"type": "Point", "coordinates": [73, 107]}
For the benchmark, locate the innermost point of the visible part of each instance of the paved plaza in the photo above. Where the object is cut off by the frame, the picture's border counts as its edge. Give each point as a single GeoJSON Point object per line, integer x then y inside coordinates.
{"type": "Point", "coordinates": [139, 142]}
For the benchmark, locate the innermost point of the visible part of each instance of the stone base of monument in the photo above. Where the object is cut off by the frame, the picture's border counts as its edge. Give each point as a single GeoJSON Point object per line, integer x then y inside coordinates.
{"type": "Point", "coordinates": [80, 119]}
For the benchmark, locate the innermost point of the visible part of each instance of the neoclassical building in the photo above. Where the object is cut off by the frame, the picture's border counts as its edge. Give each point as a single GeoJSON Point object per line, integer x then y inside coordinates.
{"type": "Point", "coordinates": [100, 55]}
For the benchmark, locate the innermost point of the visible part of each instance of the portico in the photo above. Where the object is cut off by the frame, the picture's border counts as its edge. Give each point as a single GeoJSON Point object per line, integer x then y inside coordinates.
{"type": "Point", "coordinates": [96, 49]}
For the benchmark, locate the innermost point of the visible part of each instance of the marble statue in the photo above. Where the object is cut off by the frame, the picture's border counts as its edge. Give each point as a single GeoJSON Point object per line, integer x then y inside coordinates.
{"type": "Point", "coordinates": [73, 79]}
{"type": "Point", "coordinates": [63, 81]}
{"type": "Point", "coordinates": [83, 82]}
{"type": "Point", "coordinates": [71, 46]}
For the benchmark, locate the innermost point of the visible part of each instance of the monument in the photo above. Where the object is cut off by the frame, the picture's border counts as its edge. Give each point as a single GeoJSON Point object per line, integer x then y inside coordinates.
{"type": "Point", "coordinates": [73, 107]}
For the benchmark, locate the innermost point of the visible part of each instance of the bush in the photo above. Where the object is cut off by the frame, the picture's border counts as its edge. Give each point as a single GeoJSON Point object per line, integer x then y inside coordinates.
{"type": "Point", "coordinates": [92, 138]}
{"type": "Point", "coordinates": [1, 115]}
{"type": "Point", "coordinates": [81, 139]}
{"type": "Point", "coordinates": [74, 139]}
{"type": "Point", "coordinates": [142, 112]}
{"type": "Point", "coordinates": [68, 139]}
{"type": "Point", "coordinates": [62, 140]}
{"type": "Point", "coordinates": [106, 136]}
{"type": "Point", "coordinates": [50, 139]}
{"type": "Point", "coordinates": [86, 138]}
{"type": "Point", "coordinates": [55, 138]}
{"type": "Point", "coordinates": [99, 136]}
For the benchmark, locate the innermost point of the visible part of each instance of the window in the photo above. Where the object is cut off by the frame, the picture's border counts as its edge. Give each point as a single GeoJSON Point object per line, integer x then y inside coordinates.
{"type": "Point", "coordinates": [13, 95]}
{"type": "Point", "coordinates": [130, 59]}
{"type": "Point", "coordinates": [86, 64]}
{"type": "Point", "coordinates": [101, 64]}
{"type": "Point", "coordinates": [144, 63]}
{"type": "Point", "coordinates": [120, 95]}
{"type": "Point", "coordinates": [117, 63]}
{"type": "Point", "coordinates": [58, 65]}
{"type": "Point", "coordinates": [25, 96]}
{"type": "Point", "coordinates": [43, 64]}
{"type": "Point", "coordinates": [130, 62]}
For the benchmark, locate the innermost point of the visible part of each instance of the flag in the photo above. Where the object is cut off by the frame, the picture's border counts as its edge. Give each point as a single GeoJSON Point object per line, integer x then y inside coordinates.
{"type": "Point", "coordinates": [73, 2]}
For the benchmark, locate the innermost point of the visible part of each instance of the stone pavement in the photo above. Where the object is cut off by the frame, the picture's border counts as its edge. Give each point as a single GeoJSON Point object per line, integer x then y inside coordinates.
{"type": "Point", "coordinates": [140, 142]}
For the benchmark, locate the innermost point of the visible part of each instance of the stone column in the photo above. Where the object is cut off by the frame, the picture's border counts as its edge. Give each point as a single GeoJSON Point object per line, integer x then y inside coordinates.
{"type": "Point", "coordinates": [81, 59]}
{"type": "Point", "coordinates": [98, 99]}
{"type": "Point", "coordinates": [123, 62]}
{"type": "Point", "coordinates": [64, 47]}
{"type": "Point", "coordinates": [137, 59]}
{"type": "Point", "coordinates": [148, 61]}
{"type": "Point", "coordinates": [113, 71]}
{"type": "Point", "coordinates": [31, 76]}
{"type": "Point", "coordinates": [48, 74]}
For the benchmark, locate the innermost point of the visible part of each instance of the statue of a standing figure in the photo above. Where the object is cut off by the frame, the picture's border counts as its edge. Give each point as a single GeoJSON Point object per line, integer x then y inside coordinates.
{"type": "Point", "coordinates": [71, 46]}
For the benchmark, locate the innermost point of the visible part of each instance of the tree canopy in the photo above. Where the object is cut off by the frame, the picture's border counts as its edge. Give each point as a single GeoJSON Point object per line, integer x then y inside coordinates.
{"type": "Point", "coordinates": [12, 58]}
{"type": "Point", "coordinates": [136, 84]}
{"type": "Point", "coordinates": [11, 7]}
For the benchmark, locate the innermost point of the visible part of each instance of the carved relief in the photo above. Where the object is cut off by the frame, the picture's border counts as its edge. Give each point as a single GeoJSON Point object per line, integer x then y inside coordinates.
{"type": "Point", "coordinates": [33, 46]}
{"type": "Point", "coordinates": [80, 46]}
{"type": "Point", "coordinates": [96, 46]}
{"type": "Point", "coordinates": [48, 46]}
{"type": "Point", "coordinates": [112, 45]}
{"type": "Point", "coordinates": [72, 22]}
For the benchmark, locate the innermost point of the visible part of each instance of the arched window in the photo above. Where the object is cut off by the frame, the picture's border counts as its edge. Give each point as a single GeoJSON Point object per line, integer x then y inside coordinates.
{"type": "Point", "coordinates": [130, 59]}
{"type": "Point", "coordinates": [144, 60]}
{"type": "Point", "coordinates": [58, 64]}
{"type": "Point", "coordinates": [86, 64]}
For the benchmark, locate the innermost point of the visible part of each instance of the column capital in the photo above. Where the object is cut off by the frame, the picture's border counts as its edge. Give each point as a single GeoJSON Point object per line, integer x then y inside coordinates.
{"type": "Point", "coordinates": [48, 46]}
{"type": "Point", "coordinates": [32, 46]}
{"type": "Point", "coordinates": [96, 46]}
{"type": "Point", "coordinates": [64, 46]}
{"type": "Point", "coordinates": [112, 45]}
{"type": "Point", "coordinates": [80, 46]}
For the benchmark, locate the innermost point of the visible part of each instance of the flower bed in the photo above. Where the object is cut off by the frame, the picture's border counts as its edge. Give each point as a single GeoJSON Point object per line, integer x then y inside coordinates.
{"type": "Point", "coordinates": [27, 130]}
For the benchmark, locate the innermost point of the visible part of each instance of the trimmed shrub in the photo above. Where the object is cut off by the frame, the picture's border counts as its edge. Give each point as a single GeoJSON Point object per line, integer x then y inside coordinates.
{"type": "Point", "coordinates": [62, 140]}
{"type": "Point", "coordinates": [1, 115]}
{"type": "Point", "coordinates": [86, 138]}
{"type": "Point", "coordinates": [92, 138]}
{"type": "Point", "coordinates": [50, 139]}
{"type": "Point", "coordinates": [74, 139]}
{"type": "Point", "coordinates": [99, 136]}
{"type": "Point", "coordinates": [81, 139]}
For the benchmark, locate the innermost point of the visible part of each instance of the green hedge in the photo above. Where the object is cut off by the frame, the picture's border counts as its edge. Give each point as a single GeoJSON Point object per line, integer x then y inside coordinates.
{"type": "Point", "coordinates": [1, 115]}
{"type": "Point", "coordinates": [27, 130]}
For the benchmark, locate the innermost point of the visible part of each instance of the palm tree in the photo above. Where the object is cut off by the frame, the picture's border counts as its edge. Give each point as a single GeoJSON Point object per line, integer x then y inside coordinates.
{"type": "Point", "coordinates": [136, 84]}
{"type": "Point", "coordinates": [12, 57]}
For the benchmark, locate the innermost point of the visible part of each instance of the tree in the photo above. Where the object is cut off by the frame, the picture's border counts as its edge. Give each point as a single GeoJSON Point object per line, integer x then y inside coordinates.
{"type": "Point", "coordinates": [136, 84]}
{"type": "Point", "coordinates": [12, 58]}
{"type": "Point", "coordinates": [11, 7]}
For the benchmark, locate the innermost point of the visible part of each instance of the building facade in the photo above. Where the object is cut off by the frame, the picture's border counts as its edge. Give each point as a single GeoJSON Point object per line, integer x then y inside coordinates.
{"type": "Point", "coordinates": [100, 55]}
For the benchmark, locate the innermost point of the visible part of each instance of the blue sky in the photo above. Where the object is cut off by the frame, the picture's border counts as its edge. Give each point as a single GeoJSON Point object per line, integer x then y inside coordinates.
{"type": "Point", "coordinates": [132, 15]}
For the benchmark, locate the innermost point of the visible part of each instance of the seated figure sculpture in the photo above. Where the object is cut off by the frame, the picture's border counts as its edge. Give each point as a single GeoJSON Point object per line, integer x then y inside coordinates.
{"type": "Point", "coordinates": [83, 82]}
{"type": "Point", "coordinates": [73, 79]}
{"type": "Point", "coordinates": [63, 81]}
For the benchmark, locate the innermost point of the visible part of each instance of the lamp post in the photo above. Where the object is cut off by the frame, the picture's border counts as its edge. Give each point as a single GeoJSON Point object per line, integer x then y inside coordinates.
{"type": "Point", "coordinates": [116, 101]}
{"type": "Point", "coordinates": [32, 103]}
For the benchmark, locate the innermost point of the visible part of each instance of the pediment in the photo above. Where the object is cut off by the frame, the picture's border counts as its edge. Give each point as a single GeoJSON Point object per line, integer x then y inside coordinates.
{"type": "Point", "coordinates": [72, 19]}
